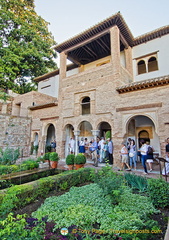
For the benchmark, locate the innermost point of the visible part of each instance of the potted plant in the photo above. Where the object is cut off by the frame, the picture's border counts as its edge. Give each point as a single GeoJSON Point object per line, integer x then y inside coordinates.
{"type": "Point", "coordinates": [54, 158]}
{"type": "Point", "coordinates": [80, 160]}
{"type": "Point", "coordinates": [70, 161]}
{"type": "Point", "coordinates": [46, 157]}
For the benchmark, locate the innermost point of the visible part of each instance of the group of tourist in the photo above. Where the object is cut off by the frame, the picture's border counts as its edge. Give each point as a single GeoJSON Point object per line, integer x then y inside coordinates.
{"type": "Point", "coordinates": [129, 155]}
{"type": "Point", "coordinates": [99, 150]}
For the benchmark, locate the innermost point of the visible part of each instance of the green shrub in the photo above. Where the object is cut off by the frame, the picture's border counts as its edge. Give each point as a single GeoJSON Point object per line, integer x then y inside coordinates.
{"type": "Point", "coordinates": [19, 196]}
{"type": "Point", "coordinates": [28, 165]}
{"type": "Point", "coordinates": [133, 212]}
{"type": "Point", "coordinates": [9, 156]}
{"type": "Point", "coordinates": [88, 206]}
{"type": "Point", "coordinates": [80, 159]}
{"type": "Point", "coordinates": [16, 228]}
{"type": "Point", "coordinates": [158, 190]}
{"type": "Point", "coordinates": [6, 169]}
{"type": "Point", "coordinates": [81, 206]}
{"type": "Point", "coordinates": [40, 159]}
{"type": "Point", "coordinates": [70, 159]}
{"type": "Point", "coordinates": [109, 181]}
{"type": "Point", "coordinates": [53, 156]}
{"type": "Point", "coordinates": [48, 148]}
{"type": "Point", "coordinates": [46, 156]}
{"type": "Point", "coordinates": [108, 134]}
{"type": "Point", "coordinates": [136, 182]}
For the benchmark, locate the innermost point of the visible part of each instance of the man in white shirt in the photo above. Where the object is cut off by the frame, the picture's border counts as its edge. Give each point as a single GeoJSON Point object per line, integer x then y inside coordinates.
{"type": "Point", "coordinates": [101, 145]}
{"type": "Point", "coordinates": [72, 145]}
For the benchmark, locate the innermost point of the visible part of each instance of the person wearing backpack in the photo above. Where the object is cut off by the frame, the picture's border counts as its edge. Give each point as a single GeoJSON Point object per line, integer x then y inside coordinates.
{"type": "Point", "coordinates": [150, 158]}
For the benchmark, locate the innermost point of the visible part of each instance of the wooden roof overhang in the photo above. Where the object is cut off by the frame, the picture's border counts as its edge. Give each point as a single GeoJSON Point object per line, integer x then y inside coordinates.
{"type": "Point", "coordinates": [151, 83]}
{"type": "Point", "coordinates": [151, 35]}
{"type": "Point", "coordinates": [94, 43]}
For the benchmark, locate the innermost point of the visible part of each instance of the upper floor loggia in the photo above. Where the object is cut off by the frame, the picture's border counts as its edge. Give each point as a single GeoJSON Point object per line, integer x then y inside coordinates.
{"type": "Point", "coordinates": [110, 42]}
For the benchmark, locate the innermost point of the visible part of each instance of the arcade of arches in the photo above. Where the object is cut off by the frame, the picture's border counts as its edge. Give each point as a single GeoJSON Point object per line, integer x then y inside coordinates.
{"type": "Point", "coordinates": [137, 127]}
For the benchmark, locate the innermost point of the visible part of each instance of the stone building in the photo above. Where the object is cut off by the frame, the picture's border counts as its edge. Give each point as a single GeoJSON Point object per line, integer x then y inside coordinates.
{"type": "Point", "coordinates": [115, 83]}
{"type": "Point", "coordinates": [15, 130]}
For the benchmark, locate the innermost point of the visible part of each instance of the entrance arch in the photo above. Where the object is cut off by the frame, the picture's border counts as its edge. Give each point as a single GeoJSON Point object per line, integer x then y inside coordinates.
{"type": "Point", "coordinates": [105, 130]}
{"type": "Point", "coordinates": [141, 127]}
{"type": "Point", "coordinates": [68, 133]}
{"type": "Point", "coordinates": [85, 128]}
{"type": "Point", "coordinates": [50, 136]}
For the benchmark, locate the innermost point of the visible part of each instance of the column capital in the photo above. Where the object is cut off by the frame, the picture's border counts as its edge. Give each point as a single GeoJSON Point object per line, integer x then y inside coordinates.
{"type": "Point", "coordinates": [95, 133]}
{"type": "Point", "coordinates": [76, 132]}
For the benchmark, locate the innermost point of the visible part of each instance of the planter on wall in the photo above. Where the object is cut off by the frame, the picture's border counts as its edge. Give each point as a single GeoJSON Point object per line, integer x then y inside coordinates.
{"type": "Point", "coordinates": [53, 164]}
{"type": "Point", "coordinates": [79, 166]}
{"type": "Point", "coordinates": [71, 167]}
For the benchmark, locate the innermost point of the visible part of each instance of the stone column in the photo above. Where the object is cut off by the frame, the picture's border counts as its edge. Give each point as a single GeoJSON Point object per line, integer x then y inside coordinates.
{"type": "Point", "coordinates": [115, 48]}
{"type": "Point", "coordinates": [42, 144]}
{"type": "Point", "coordinates": [76, 133]}
{"type": "Point", "coordinates": [128, 58]}
{"type": "Point", "coordinates": [95, 133]}
{"type": "Point", "coordinates": [62, 71]}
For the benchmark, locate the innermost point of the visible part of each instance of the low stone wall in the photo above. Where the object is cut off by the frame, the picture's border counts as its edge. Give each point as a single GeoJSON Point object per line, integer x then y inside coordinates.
{"type": "Point", "coordinates": [15, 133]}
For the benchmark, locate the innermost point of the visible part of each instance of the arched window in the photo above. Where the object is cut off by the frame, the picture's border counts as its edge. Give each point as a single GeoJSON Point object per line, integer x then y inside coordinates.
{"type": "Point", "coordinates": [152, 64]}
{"type": "Point", "coordinates": [141, 67]}
{"type": "Point", "coordinates": [85, 106]}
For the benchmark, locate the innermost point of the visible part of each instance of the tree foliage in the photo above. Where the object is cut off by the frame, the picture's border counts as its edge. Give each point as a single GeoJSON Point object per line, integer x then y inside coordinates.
{"type": "Point", "coordinates": [25, 45]}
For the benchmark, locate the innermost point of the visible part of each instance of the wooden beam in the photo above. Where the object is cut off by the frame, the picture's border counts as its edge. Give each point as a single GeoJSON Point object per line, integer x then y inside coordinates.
{"type": "Point", "coordinates": [73, 60]}
{"type": "Point", "coordinates": [87, 41]}
{"type": "Point", "coordinates": [90, 50]}
{"type": "Point", "coordinates": [104, 44]}
{"type": "Point", "coordinates": [101, 45]}
{"type": "Point", "coordinates": [123, 40]}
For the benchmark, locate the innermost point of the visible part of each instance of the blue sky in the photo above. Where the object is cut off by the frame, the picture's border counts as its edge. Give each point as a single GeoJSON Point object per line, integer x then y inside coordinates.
{"type": "Point", "coordinates": [70, 17]}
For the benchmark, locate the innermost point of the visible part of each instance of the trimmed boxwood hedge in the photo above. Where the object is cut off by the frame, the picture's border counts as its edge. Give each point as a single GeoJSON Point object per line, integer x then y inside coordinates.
{"type": "Point", "coordinates": [19, 196]}
{"type": "Point", "coordinates": [17, 179]}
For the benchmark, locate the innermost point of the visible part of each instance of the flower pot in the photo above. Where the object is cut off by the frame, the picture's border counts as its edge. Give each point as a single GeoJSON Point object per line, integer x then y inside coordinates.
{"type": "Point", "coordinates": [53, 164]}
{"type": "Point", "coordinates": [79, 166]}
{"type": "Point", "coordinates": [71, 167]}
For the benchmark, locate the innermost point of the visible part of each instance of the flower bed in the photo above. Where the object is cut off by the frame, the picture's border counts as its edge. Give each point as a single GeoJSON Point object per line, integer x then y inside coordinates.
{"type": "Point", "coordinates": [106, 209]}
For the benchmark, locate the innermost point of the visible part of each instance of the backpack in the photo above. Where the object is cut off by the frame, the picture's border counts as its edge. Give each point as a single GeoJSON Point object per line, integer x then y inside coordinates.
{"type": "Point", "coordinates": [150, 150]}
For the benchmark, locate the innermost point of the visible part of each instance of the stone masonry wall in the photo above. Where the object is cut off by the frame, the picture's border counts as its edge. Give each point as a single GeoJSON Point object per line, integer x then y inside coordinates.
{"type": "Point", "coordinates": [15, 133]}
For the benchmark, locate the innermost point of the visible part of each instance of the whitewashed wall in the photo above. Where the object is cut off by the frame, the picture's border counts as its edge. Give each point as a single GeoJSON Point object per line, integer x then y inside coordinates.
{"type": "Point", "coordinates": [159, 45]}
{"type": "Point", "coordinates": [49, 86]}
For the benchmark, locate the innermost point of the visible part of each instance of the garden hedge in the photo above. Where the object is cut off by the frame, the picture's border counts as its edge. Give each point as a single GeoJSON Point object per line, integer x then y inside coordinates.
{"type": "Point", "coordinates": [19, 196]}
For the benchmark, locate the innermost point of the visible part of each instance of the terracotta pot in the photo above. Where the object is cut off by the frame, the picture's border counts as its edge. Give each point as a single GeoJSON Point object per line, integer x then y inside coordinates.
{"type": "Point", "coordinates": [79, 166]}
{"type": "Point", "coordinates": [53, 164]}
{"type": "Point", "coordinates": [71, 167]}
